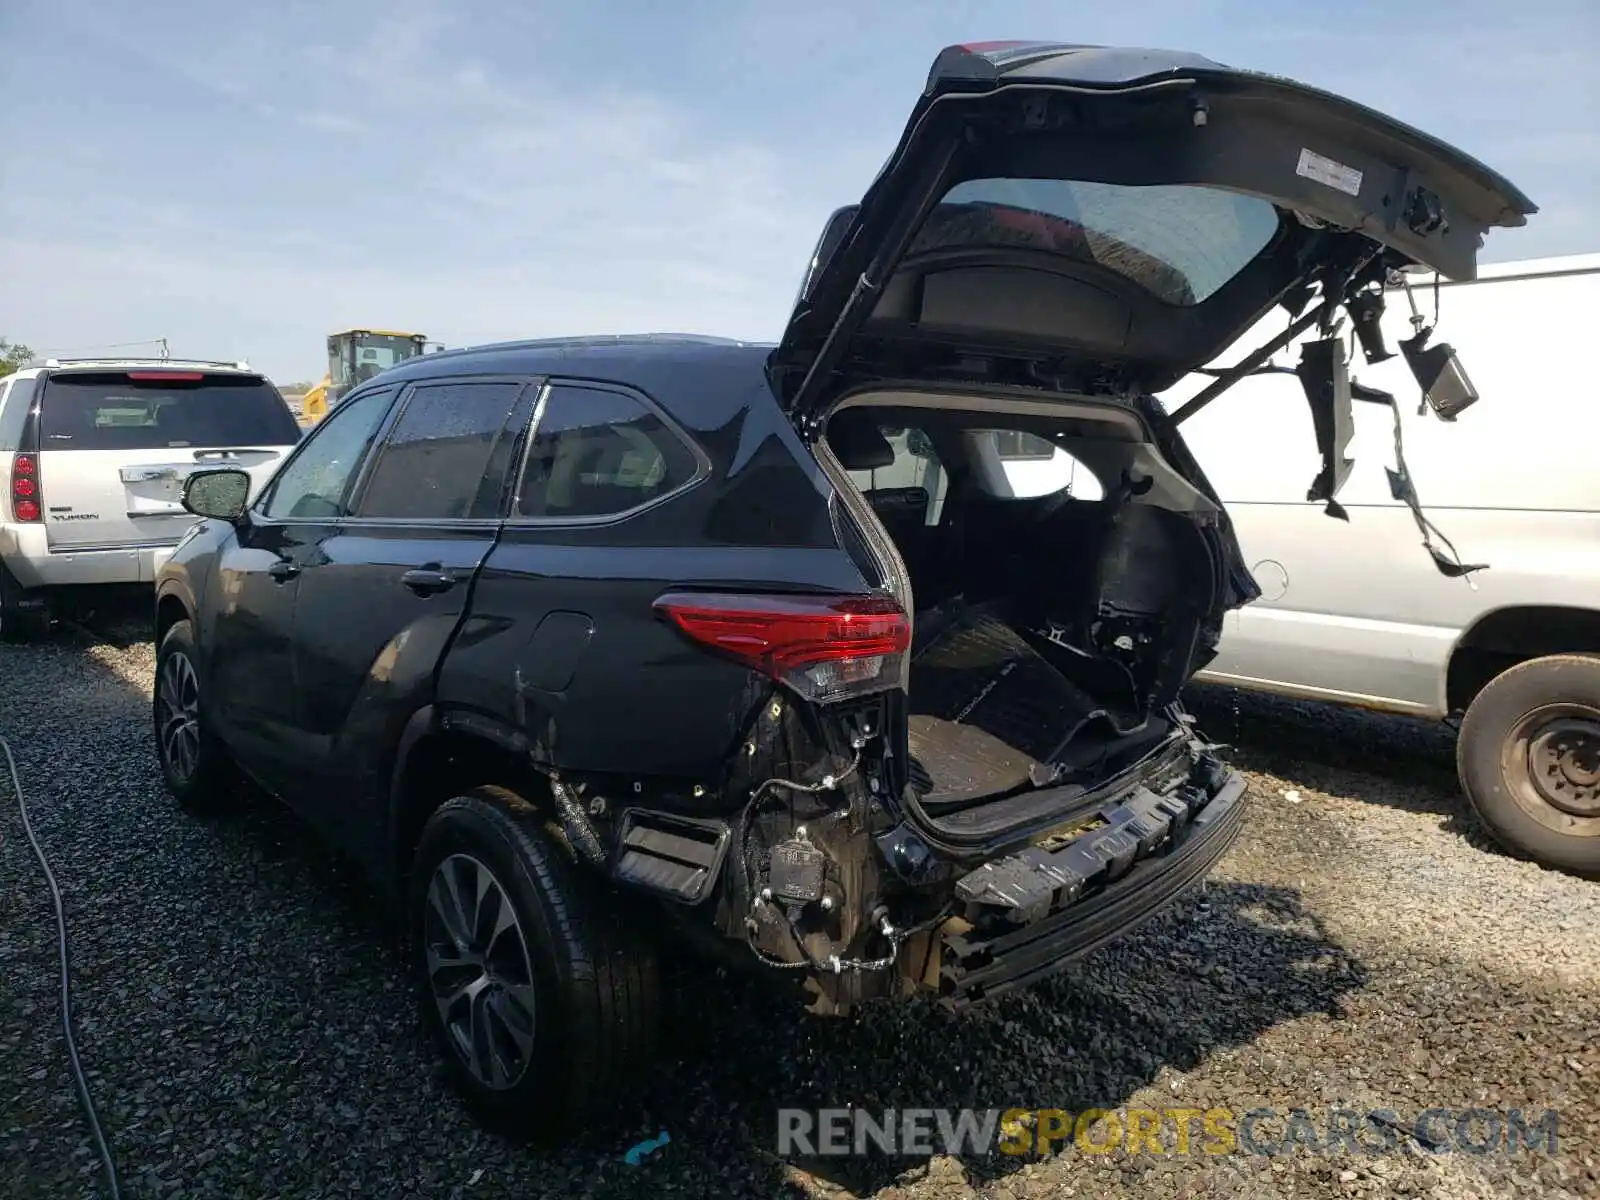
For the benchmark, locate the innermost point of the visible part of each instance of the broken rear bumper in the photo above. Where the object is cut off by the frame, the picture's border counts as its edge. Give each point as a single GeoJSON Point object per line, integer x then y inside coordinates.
{"type": "Point", "coordinates": [1038, 910]}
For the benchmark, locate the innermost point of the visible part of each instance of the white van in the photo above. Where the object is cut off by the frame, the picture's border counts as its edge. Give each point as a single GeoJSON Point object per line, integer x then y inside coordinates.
{"type": "Point", "coordinates": [1357, 612]}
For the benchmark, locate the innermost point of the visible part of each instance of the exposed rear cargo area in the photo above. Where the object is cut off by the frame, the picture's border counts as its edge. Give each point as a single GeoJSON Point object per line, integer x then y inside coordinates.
{"type": "Point", "coordinates": [1051, 603]}
{"type": "Point", "coordinates": [990, 715]}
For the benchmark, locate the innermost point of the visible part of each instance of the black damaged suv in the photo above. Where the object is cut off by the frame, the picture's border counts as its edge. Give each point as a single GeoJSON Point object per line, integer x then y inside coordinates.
{"type": "Point", "coordinates": [581, 645]}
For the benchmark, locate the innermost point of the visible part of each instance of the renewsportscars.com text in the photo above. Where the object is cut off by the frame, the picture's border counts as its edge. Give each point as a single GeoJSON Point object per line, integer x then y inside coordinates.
{"type": "Point", "coordinates": [1167, 1131]}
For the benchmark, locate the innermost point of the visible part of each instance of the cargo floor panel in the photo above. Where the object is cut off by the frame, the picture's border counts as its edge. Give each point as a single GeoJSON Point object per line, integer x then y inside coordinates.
{"type": "Point", "coordinates": [987, 710]}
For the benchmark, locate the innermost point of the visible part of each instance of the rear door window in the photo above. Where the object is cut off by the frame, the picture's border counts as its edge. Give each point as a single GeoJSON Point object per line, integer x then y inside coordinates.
{"type": "Point", "coordinates": [598, 453]}
{"type": "Point", "coordinates": [162, 410]}
{"type": "Point", "coordinates": [435, 463]}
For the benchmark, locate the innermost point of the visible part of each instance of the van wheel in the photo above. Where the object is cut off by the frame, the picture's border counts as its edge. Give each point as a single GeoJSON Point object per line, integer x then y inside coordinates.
{"type": "Point", "coordinates": [1529, 760]}
{"type": "Point", "coordinates": [194, 763]}
{"type": "Point", "coordinates": [23, 618]}
{"type": "Point", "coordinates": [542, 1000]}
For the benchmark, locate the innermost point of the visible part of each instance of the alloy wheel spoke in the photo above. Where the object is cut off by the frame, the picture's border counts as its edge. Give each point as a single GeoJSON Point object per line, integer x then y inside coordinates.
{"type": "Point", "coordinates": [495, 918]}
{"type": "Point", "coordinates": [508, 1037]}
{"type": "Point", "coordinates": [444, 897]}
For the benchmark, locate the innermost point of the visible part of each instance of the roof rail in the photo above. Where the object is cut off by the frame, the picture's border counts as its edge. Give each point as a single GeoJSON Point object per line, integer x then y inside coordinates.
{"type": "Point", "coordinates": [237, 364]}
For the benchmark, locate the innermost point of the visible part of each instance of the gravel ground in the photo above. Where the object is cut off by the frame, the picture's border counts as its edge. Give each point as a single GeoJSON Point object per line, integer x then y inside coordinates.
{"type": "Point", "coordinates": [249, 1033]}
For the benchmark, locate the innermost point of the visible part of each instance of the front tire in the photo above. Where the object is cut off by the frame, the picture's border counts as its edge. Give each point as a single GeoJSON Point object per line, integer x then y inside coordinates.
{"type": "Point", "coordinates": [541, 999]}
{"type": "Point", "coordinates": [1529, 760]}
{"type": "Point", "coordinates": [194, 763]}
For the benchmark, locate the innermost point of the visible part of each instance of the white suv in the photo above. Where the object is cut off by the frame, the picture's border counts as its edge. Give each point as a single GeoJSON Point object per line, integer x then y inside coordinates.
{"type": "Point", "coordinates": [93, 455]}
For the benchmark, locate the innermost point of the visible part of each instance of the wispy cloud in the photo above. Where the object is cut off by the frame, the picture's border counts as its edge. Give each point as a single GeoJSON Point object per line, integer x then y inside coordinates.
{"type": "Point", "coordinates": [331, 122]}
{"type": "Point", "coordinates": [253, 176]}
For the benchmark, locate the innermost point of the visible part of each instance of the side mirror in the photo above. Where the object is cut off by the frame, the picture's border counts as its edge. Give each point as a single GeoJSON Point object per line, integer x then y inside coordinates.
{"type": "Point", "coordinates": [221, 494]}
{"type": "Point", "coordinates": [1440, 375]}
{"type": "Point", "coordinates": [920, 445]}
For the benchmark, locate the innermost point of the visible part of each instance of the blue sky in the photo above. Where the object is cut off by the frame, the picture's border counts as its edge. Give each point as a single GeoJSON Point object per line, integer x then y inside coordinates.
{"type": "Point", "coordinates": [244, 178]}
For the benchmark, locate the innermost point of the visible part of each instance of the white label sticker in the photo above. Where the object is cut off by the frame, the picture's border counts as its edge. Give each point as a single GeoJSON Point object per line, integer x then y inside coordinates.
{"type": "Point", "coordinates": [1325, 171]}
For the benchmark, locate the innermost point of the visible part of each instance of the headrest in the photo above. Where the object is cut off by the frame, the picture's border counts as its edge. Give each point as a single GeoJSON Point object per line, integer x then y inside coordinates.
{"type": "Point", "coordinates": [857, 442]}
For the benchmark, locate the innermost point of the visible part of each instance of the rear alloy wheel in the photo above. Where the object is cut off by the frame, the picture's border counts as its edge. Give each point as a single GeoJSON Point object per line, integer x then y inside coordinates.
{"type": "Point", "coordinates": [540, 996]}
{"type": "Point", "coordinates": [1529, 760]}
{"type": "Point", "coordinates": [194, 763]}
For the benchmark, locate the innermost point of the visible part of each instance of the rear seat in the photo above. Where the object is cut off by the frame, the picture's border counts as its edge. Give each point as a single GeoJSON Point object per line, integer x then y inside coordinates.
{"type": "Point", "coordinates": [860, 445]}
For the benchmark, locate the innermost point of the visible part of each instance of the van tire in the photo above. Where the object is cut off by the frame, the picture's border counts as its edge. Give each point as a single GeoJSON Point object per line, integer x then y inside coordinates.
{"type": "Point", "coordinates": [593, 978]}
{"type": "Point", "coordinates": [1528, 756]}
{"type": "Point", "coordinates": [22, 618]}
{"type": "Point", "coordinates": [211, 785]}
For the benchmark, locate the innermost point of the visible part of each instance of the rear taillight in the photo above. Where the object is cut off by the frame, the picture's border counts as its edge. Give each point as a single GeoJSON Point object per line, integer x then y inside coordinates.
{"type": "Point", "coordinates": [825, 647]}
{"type": "Point", "coordinates": [25, 488]}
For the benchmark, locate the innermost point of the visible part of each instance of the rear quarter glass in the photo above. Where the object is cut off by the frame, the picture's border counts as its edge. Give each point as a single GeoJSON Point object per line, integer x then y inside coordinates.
{"type": "Point", "coordinates": [123, 411]}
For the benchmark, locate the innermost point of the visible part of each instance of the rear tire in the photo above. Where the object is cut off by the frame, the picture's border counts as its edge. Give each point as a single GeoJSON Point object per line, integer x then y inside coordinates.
{"type": "Point", "coordinates": [23, 618]}
{"type": "Point", "coordinates": [1529, 760]}
{"type": "Point", "coordinates": [556, 998]}
{"type": "Point", "coordinates": [194, 763]}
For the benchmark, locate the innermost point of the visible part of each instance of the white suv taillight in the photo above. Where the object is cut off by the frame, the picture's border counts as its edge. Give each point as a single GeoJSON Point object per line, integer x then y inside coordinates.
{"type": "Point", "coordinates": [825, 647]}
{"type": "Point", "coordinates": [25, 496]}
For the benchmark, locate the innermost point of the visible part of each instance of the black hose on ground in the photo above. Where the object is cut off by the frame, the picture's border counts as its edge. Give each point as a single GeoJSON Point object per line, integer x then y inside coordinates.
{"type": "Point", "coordinates": [79, 1079]}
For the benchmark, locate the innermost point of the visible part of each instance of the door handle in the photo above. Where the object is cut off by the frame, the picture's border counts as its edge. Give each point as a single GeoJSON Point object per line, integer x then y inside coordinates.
{"type": "Point", "coordinates": [283, 570]}
{"type": "Point", "coordinates": [428, 581]}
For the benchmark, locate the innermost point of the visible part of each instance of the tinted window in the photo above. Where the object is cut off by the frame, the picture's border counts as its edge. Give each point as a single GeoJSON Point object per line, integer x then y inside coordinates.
{"type": "Point", "coordinates": [311, 485]}
{"type": "Point", "coordinates": [433, 465]}
{"type": "Point", "coordinates": [1179, 242]}
{"type": "Point", "coordinates": [596, 453]}
{"type": "Point", "coordinates": [111, 411]}
{"type": "Point", "coordinates": [13, 411]}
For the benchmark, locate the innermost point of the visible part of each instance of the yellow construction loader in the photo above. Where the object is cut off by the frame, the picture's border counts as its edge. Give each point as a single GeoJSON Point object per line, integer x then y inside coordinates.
{"type": "Point", "coordinates": [355, 356]}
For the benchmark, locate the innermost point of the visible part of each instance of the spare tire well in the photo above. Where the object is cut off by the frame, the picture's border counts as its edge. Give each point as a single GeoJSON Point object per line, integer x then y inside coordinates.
{"type": "Point", "coordinates": [1503, 638]}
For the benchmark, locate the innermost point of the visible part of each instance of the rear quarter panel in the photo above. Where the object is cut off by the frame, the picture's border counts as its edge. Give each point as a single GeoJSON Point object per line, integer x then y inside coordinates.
{"type": "Point", "coordinates": [562, 640]}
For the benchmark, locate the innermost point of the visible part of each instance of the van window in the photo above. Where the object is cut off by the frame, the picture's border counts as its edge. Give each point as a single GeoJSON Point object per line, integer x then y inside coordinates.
{"type": "Point", "coordinates": [116, 410]}
{"type": "Point", "coordinates": [597, 453]}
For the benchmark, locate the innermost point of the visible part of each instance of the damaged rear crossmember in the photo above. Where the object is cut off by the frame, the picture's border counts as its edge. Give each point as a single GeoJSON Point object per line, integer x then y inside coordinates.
{"type": "Point", "coordinates": [1025, 886]}
{"type": "Point", "coordinates": [809, 886]}
{"type": "Point", "coordinates": [1032, 914]}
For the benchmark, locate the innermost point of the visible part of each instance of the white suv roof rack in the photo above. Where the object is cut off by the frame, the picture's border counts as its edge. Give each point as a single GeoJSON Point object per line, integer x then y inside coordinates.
{"type": "Point", "coordinates": [237, 364]}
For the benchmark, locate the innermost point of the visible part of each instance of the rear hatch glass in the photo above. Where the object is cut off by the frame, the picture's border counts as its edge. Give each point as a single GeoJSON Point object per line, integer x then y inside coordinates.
{"type": "Point", "coordinates": [1181, 243]}
{"type": "Point", "coordinates": [116, 447]}
{"type": "Point", "coordinates": [162, 410]}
